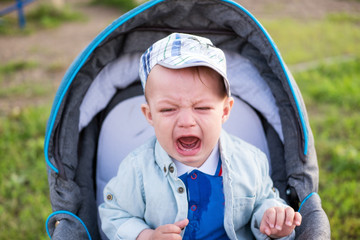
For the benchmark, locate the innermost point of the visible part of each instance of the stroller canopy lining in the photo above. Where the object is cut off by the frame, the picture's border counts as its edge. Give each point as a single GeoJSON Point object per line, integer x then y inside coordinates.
{"type": "Point", "coordinates": [245, 82]}
{"type": "Point", "coordinates": [116, 75]}
{"type": "Point", "coordinates": [138, 29]}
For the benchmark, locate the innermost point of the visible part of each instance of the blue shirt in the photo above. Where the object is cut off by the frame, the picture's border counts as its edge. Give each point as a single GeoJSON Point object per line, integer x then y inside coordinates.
{"type": "Point", "coordinates": [206, 205]}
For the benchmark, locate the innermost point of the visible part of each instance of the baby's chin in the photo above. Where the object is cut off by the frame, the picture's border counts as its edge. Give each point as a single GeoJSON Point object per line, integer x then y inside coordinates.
{"type": "Point", "coordinates": [189, 152]}
{"type": "Point", "coordinates": [192, 162]}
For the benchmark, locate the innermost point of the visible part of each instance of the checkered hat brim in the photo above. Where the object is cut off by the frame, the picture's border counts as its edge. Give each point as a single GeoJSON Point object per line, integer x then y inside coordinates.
{"type": "Point", "coordinates": [180, 50]}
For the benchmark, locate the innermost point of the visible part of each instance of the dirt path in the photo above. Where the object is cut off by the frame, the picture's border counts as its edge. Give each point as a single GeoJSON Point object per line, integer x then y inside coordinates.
{"type": "Point", "coordinates": [54, 50]}
{"type": "Point", "coordinates": [304, 9]}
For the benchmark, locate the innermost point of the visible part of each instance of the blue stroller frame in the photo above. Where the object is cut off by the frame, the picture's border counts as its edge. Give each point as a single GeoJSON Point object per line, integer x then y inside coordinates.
{"type": "Point", "coordinates": [71, 143]}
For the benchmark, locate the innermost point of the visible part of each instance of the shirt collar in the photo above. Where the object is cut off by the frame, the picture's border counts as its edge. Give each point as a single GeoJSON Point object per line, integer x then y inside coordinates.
{"type": "Point", "coordinates": [208, 167]}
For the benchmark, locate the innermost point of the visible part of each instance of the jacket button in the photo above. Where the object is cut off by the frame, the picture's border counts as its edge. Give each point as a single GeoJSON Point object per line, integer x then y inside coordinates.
{"type": "Point", "coordinates": [193, 176]}
{"type": "Point", "coordinates": [171, 169]}
{"type": "Point", "coordinates": [164, 169]}
{"type": "Point", "coordinates": [180, 189]}
{"type": "Point", "coordinates": [109, 197]}
{"type": "Point", "coordinates": [57, 223]}
{"type": "Point", "coordinates": [193, 208]}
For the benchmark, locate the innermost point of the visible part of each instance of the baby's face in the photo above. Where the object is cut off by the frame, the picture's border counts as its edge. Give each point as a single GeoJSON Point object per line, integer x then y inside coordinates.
{"type": "Point", "coordinates": [187, 108]}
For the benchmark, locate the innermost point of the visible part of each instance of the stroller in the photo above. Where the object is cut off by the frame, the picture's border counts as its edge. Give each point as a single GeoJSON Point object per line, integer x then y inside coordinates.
{"type": "Point", "coordinates": [96, 119]}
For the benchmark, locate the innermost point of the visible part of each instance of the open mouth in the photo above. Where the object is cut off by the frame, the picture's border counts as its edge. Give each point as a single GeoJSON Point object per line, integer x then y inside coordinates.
{"type": "Point", "coordinates": [188, 145]}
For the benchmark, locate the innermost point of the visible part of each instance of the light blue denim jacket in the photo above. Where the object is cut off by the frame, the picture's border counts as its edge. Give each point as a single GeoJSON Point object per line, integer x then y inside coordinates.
{"type": "Point", "coordinates": [146, 193]}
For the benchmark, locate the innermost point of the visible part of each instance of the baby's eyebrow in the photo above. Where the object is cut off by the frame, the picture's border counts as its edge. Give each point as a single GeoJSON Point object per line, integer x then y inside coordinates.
{"type": "Point", "coordinates": [206, 101]}
{"type": "Point", "coordinates": [167, 101]}
{"type": "Point", "coordinates": [176, 102]}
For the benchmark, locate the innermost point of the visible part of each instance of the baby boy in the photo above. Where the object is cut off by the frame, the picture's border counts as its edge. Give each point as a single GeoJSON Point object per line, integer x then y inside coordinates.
{"type": "Point", "coordinates": [193, 180]}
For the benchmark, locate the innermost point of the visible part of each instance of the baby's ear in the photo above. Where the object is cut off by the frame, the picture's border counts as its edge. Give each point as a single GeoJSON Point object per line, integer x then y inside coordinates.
{"type": "Point", "coordinates": [145, 108]}
{"type": "Point", "coordinates": [228, 104]}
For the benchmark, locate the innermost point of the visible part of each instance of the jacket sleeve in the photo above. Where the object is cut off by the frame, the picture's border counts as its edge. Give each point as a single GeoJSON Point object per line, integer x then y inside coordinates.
{"type": "Point", "coordinates": [123, 210]}
{"type": "Point", "coordinates": [266, 197]}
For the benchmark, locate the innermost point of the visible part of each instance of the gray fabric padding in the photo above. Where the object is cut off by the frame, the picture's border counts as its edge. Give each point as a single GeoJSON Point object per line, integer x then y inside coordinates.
{"type": "Point", "coordinates": [116, 75]}
{"type": "Point", "coordinates": [247, 83]}
{"type": "Point", "coordinates": [276, 152]}
{"type": "Point", "coordinates": [230, 29]}
{"type": "Point", "coordinates": [85, 176]}
{"type": "Point", "coordinates": [66, 193]}
{"type": "Point", "coordinates": [68, 228]}
{"type": "Point", "coordinates": [313, 217]}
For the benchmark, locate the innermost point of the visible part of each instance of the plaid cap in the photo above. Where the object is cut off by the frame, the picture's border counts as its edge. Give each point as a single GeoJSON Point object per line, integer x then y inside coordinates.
{"type": "Point", "coordinates": [179, 50]}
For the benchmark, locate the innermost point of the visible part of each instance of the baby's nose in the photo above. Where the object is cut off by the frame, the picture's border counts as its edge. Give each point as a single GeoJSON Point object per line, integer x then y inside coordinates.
{"type": "Point", "coordinates": [186, 119]}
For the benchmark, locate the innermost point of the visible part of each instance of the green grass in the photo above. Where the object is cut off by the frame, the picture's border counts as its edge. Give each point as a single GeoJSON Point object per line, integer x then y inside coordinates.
{"type": "Point", "coordinates": [124, 5]}
{"type": "Point", "coordinates": [337, 85]}
{"type": "Point", "coordinates": [9, 26]}
{"type": "Point", "coordinates": [9, 88]}
{"type": "Point", "coordinates": [331, 94]}
{"type": "Point", "coordinates": [14, 66]}
{"type": "Point", "coordinates": [44, 16]}
{"type": "Point", "coordinates": [48, 16]}
{"type": "Point", "coordinates": [25, 90]}
{"type": "Point", "coordinates": [24, 194]}
{"type": "Point", "coordinates": [7, 70]}
{"type": "Point", "coordinates": [302, 41]}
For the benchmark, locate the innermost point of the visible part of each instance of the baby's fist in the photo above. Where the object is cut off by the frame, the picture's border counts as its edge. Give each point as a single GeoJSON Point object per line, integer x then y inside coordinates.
{"type": "Point", "coordinates": [279, 222]}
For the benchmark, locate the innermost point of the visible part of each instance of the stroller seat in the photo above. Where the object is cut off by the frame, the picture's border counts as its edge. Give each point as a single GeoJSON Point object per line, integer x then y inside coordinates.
{"type": "Point", "coordinates": [124, 127]}
{"type": "Point", "coordinates": [118, 138]}
{"type": "Point", "coordinates": [96, 119]}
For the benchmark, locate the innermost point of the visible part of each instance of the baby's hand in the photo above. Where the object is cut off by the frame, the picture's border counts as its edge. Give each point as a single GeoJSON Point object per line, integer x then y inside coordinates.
{"type": "Point", "coordinates": [279, 222]}
{"type": "Point", "coordinates": [169, 231]}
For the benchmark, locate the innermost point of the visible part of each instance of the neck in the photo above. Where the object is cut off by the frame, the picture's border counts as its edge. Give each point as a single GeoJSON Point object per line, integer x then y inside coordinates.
{"type": "Point", "coordinates": [209, 166]}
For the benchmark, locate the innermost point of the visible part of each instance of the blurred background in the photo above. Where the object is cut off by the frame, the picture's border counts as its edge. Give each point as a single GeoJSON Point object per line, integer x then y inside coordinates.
{"type": "Point", "coordinates": [319, 40]}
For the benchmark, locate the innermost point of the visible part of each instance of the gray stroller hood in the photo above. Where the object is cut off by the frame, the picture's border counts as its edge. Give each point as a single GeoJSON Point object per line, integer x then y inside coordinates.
{"type": "Point", "coordinates": [71, 141]}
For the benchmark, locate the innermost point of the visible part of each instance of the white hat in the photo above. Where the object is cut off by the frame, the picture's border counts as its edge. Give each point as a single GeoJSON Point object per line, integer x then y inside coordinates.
{"type": "Point", "coordinates": [179, 50]}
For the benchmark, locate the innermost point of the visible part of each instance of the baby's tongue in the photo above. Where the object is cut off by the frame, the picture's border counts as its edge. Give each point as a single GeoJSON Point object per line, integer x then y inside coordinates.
{"type": "Point", "coordinates": [188, 142]}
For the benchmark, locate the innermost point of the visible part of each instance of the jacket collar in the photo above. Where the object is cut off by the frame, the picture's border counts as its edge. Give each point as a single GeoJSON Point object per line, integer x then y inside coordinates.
{"type": "Point", "coordinates": [226, 147]}
{"type": "Point", "coordinates": [163, 159]}
{"type": "Point", "coordinates": [209, 166]}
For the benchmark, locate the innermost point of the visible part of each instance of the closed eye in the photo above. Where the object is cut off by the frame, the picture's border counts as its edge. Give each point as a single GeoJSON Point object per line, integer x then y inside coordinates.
{"type": "Point", "coordinates": [202, 108]}
{"type": "Point", "coordinates": [164, 110]}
